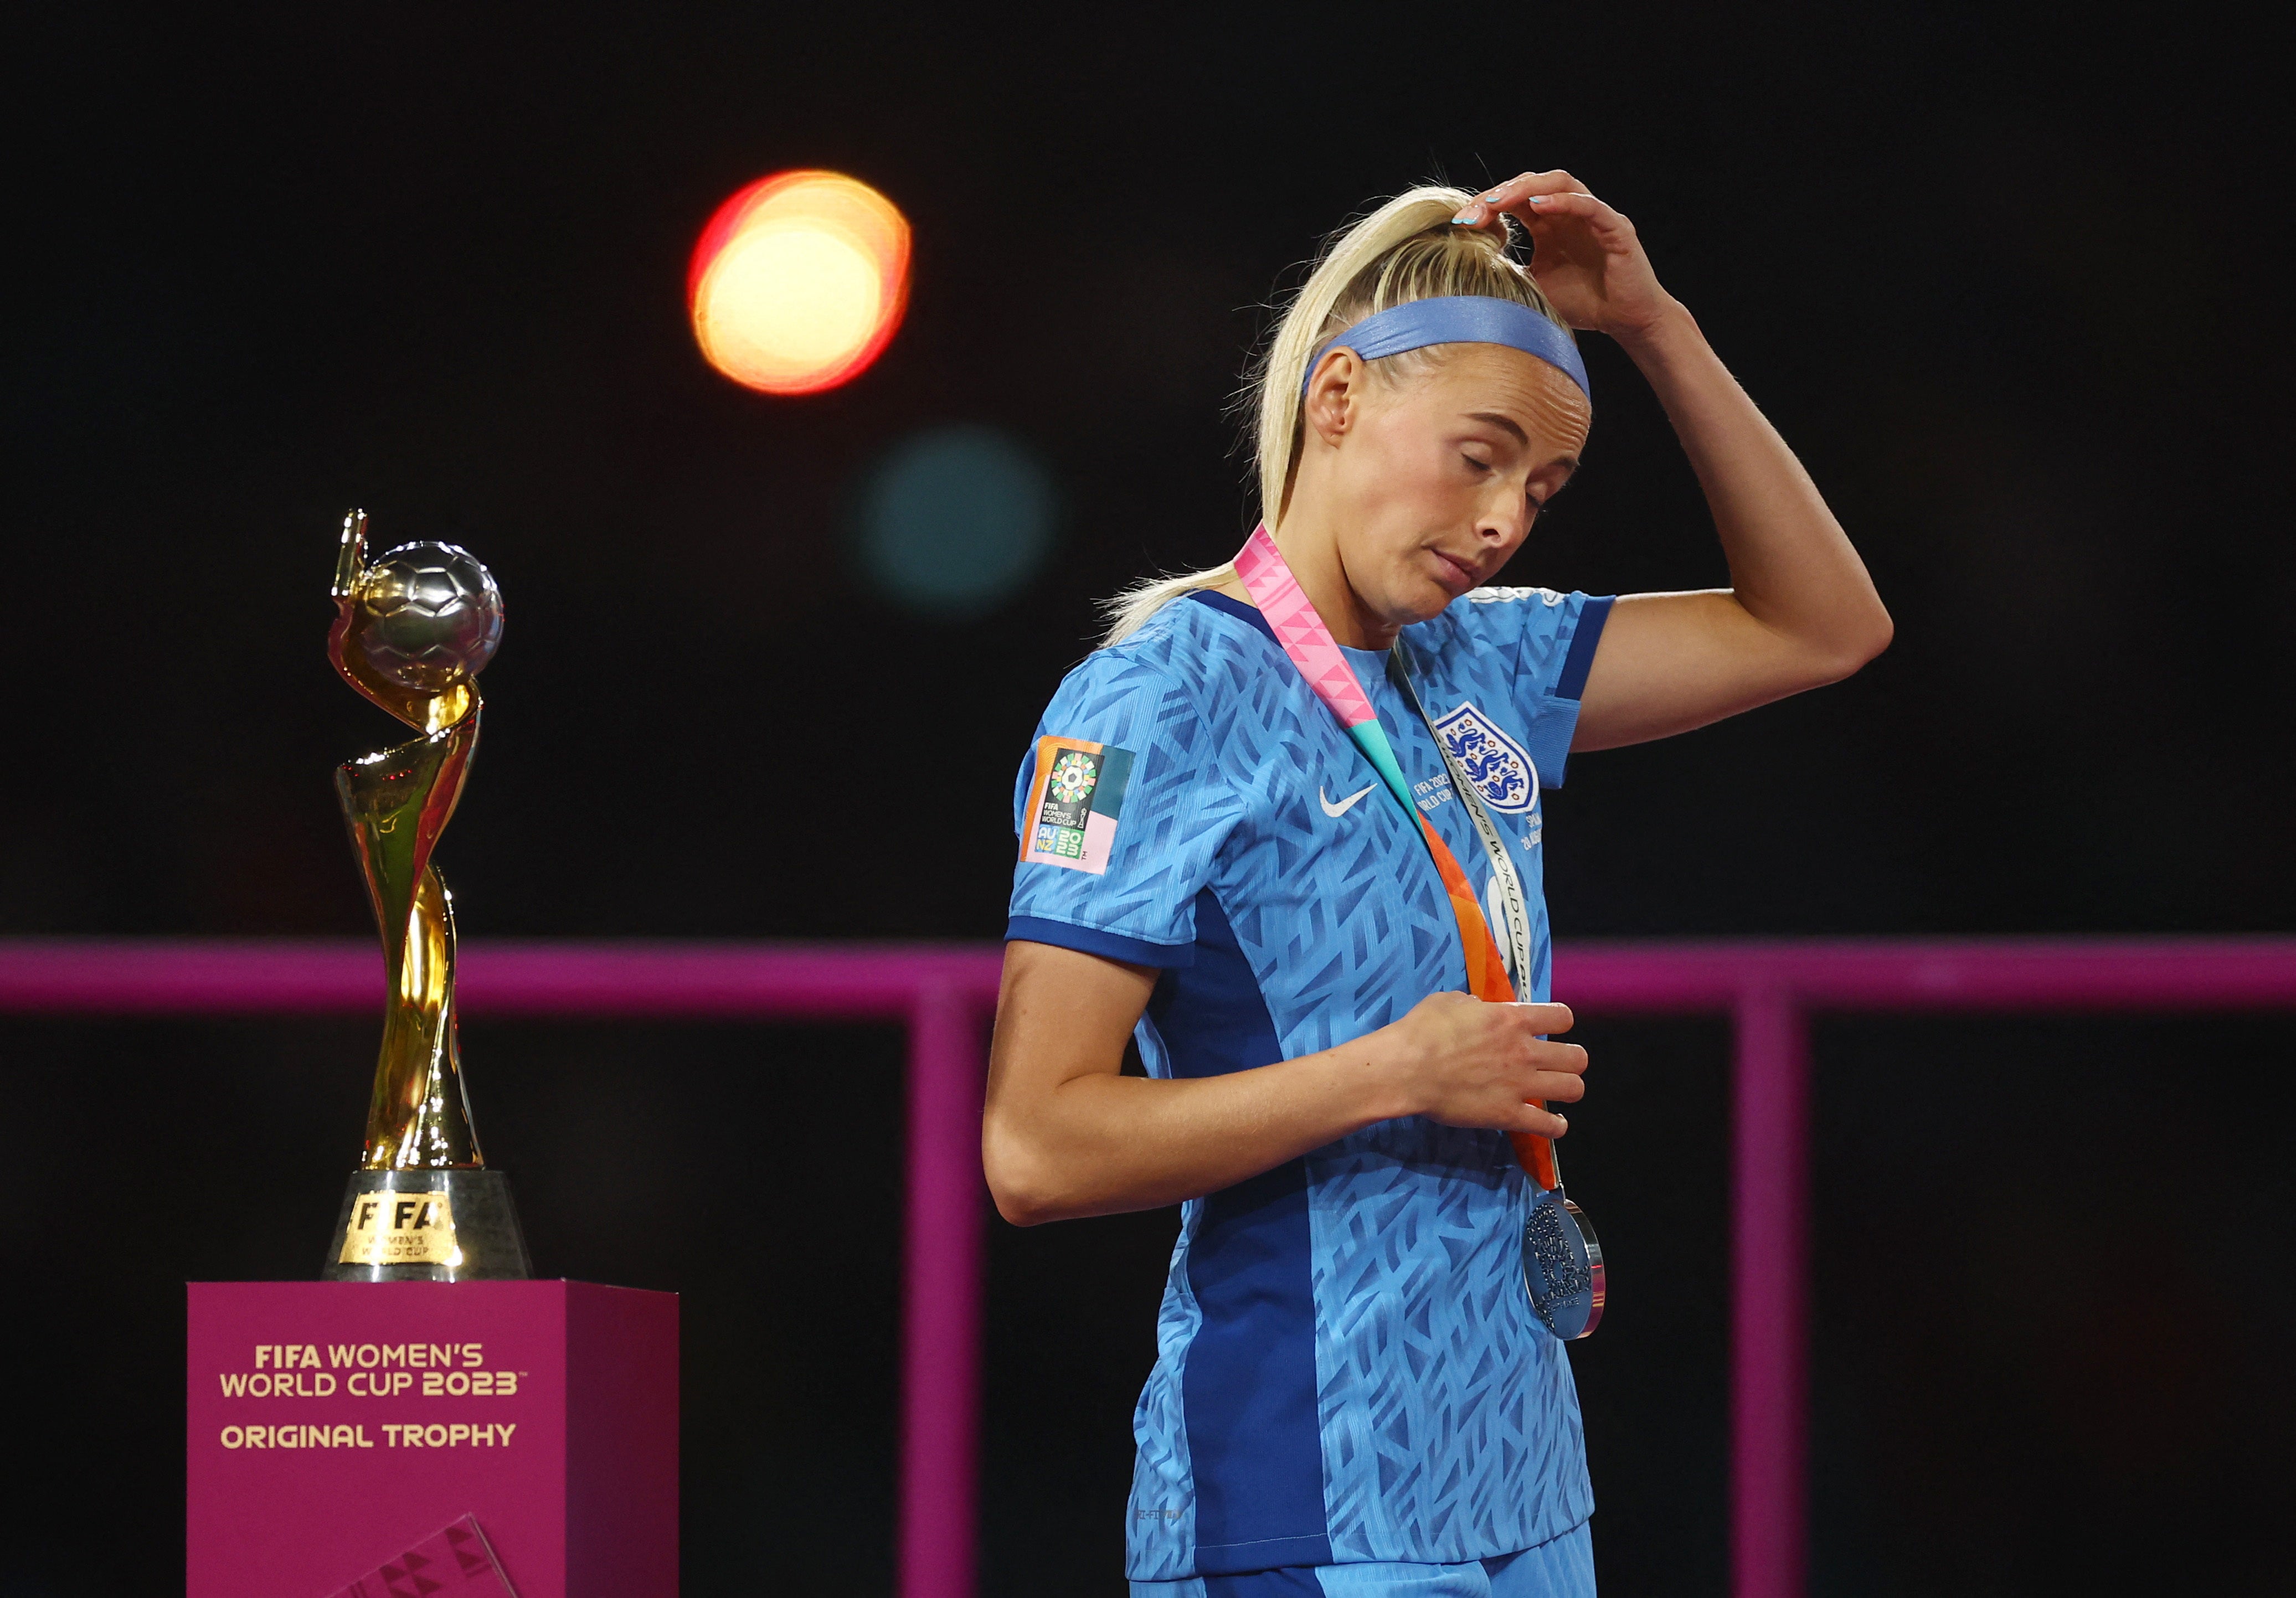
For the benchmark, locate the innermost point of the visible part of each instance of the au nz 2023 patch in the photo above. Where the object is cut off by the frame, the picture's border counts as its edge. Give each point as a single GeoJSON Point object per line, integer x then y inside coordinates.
{"type": "Point", "coordinates": [1074, 802]}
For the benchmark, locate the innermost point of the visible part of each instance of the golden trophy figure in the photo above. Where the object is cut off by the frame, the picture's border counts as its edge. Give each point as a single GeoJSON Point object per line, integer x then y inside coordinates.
{"type": "Point", "coordinates": [412, 630]}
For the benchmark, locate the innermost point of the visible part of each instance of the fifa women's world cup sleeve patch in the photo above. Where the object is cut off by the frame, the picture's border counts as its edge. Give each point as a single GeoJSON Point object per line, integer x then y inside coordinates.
{"type": "Point", "coordinates": [1075, 800]}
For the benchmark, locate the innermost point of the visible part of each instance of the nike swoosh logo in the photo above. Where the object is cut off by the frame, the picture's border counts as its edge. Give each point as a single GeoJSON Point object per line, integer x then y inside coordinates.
{"type": "Point", "coordinates": [1345, 805]}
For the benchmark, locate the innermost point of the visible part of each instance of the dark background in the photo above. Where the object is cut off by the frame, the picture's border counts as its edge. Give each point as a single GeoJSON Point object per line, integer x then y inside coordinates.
{"type": "Point", "coordinates": [2013, 283]}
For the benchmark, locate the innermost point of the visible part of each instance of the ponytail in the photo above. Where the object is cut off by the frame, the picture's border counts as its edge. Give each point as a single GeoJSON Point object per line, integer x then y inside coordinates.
{"type": "Point", "coordinates": [1405, 251]}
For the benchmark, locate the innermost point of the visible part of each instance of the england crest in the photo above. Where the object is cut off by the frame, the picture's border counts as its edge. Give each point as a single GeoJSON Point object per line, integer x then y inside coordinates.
{"type": "Point", "coordinates": [1492, 762]}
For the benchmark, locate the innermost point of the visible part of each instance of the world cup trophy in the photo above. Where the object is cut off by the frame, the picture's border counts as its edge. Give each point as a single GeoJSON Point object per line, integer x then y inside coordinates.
{"type": "Point", "coordinates": [411, 632]}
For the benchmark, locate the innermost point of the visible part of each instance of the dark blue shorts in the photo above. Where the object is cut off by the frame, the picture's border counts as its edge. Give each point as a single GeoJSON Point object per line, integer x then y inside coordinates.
{"type": "Point", "coordinates": [1563, 1568]}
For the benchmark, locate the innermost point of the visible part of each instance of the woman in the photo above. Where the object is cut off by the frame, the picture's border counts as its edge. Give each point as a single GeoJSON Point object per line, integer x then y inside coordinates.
{"type": "Point", "coordinates": [1279, 821]}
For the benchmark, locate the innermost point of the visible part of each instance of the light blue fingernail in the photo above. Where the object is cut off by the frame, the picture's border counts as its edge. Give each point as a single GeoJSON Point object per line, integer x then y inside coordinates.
{"type": "Point", "coordinates": [1463, 217]}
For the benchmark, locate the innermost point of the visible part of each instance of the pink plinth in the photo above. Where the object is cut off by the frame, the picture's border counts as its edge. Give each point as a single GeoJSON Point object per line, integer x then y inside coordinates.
{"type": "Point", "coordinates": [333, 1427]}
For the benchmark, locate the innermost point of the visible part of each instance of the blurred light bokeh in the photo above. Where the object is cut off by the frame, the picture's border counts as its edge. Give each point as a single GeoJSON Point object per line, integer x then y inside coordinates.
{"type": "Point", "coordinates": [798, 281]}
{"type": "Point", "coordinates": [955, 520]}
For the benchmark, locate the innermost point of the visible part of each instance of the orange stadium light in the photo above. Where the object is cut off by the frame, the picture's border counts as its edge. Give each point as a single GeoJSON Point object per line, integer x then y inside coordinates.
{"type": "Point", "coordinates": [798, 281]}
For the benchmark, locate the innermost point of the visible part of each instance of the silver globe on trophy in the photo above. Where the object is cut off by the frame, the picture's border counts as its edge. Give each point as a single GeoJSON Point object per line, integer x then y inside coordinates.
{"type": "Point", "coordinates": [412, 630]}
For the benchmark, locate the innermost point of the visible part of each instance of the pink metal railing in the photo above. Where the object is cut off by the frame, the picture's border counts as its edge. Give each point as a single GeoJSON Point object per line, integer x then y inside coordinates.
{"type": "Point", "coordinates": [944, 994]}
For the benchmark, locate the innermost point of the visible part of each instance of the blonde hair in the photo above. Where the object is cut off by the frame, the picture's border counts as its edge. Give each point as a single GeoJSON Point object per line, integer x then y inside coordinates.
{"type": "Point", "coordinates": [1405, 251]}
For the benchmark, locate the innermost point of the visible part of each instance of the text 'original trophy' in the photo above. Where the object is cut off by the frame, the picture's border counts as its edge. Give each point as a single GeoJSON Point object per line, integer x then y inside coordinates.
{"type": "Point", "coordinates": [412, 633]}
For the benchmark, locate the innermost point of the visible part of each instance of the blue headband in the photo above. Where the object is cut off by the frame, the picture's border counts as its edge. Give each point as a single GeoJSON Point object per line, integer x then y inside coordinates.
{"type": "Point", "coordinates": [1458, 319]}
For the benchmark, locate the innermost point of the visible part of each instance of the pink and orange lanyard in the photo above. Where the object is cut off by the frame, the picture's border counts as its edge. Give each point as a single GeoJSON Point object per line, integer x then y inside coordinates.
{"type": "Point", "coordinates": [1301, 632]}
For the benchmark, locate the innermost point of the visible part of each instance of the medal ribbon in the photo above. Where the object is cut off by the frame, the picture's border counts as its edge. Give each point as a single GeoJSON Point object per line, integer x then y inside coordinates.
{"type": "Point", "coordinates": [1268, 579]}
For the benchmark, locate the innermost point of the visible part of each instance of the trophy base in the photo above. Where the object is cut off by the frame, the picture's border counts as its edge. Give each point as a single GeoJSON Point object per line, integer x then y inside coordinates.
{"type": "Point", "coordinates": [428, 1226]}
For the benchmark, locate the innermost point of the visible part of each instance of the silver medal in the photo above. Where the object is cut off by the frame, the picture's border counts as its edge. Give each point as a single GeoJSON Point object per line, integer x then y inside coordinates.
{"type": "Point", "coordinates": [1562, 1266]}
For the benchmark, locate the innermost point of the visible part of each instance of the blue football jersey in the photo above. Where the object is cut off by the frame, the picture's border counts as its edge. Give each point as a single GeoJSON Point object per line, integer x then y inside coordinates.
{"type": "Point", "coordinates": [1347, 1366]}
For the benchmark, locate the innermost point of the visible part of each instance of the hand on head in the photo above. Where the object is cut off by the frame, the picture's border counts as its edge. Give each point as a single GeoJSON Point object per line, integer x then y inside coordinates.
{"type": "Point", "coordinates": [1585, 254]}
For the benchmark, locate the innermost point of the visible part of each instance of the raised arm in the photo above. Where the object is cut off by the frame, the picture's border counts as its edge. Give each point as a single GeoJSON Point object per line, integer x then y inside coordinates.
{"type": "Point", "coordinates": [1801, 611]}
{"type": "Point", "coordinates": [1065, 1133]}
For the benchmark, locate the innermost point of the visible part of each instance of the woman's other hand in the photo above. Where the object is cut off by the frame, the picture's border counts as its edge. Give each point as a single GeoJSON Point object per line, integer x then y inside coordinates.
{"type": "Point", "coordinates": [1065, 1132]}
{"type": "Point", "coordinates": [1458, 1059]}
{"type": "Point", "coordinates": [1585, 254]}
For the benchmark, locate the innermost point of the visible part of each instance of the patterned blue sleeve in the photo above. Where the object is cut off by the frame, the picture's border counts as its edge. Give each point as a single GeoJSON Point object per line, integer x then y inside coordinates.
{"type": "Point", "coordinates": [1120, 809]}
{"type": "Point", "coordinates": [1544, 643]}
